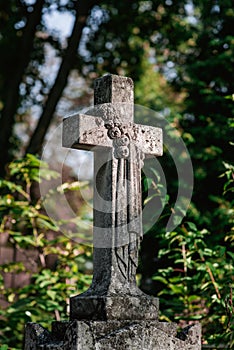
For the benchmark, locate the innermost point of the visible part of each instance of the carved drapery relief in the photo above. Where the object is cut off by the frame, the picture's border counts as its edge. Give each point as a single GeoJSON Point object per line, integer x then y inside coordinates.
{"type": "Point", "coordinates": [128, 220]}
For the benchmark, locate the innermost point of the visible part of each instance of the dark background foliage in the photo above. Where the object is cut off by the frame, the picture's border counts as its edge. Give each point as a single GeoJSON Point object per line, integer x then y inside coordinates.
{"type": "Point", "coordinates": [180, 55]}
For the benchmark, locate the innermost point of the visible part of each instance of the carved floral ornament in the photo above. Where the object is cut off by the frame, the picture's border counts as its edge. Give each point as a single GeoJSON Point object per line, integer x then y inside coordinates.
{"type": "Point", "coordinates": [121, 140]}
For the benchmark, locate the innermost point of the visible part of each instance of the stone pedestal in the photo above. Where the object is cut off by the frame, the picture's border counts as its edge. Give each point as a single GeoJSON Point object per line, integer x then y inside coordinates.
{"type": "Point", "coordinates": [114, 308]}
{"type": "Point", "coordinates": [116, 335]}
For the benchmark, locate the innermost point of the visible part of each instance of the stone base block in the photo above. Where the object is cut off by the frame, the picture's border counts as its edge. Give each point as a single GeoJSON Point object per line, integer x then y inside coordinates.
{"type": "Point", "coordinates": [116, 335]}
{"type": "Point", "coordinates": [114, 308]}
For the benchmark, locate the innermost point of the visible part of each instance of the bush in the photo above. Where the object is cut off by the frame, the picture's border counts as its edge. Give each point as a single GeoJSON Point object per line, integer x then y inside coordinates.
{"type": "Point", "coordinates": [37, 237]}
{"type": "Point", "coordinates": [198, 283]}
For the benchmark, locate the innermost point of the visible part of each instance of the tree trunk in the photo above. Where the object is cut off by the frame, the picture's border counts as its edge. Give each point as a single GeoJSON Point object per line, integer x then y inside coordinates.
{"type": "Point", "coordinates": [12, 88]}
{"type": "Point", "coordinates": [82, 12]}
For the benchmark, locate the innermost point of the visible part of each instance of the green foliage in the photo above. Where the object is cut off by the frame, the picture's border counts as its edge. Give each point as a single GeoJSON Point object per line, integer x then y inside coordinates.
{"type": "Point", "coordinates": [198, 282]}
{"type": "Point", "coordinates": [36, 237]}
{"type": "Point", "coordinates": [189, 45]}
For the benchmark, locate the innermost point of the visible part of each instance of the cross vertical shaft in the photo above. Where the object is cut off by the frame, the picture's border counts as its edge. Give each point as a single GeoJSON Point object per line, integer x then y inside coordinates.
{"type": "Point", "coordinates": [111, 253]}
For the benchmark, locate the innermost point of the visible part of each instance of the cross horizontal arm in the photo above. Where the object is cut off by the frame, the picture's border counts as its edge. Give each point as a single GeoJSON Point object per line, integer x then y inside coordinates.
{"type": "Point", "coordinates": [148, 138]}
{"type": "Point", "coordinates": [82, 131]}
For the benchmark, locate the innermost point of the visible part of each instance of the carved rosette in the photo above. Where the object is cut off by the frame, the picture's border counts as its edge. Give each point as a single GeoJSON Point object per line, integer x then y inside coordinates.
{"type": "Point", "coordinates": [120, 139]}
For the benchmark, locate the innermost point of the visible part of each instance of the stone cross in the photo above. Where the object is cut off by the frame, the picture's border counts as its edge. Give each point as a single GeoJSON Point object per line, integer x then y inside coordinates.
{"type": "Point", "coordinates": [119, 147]}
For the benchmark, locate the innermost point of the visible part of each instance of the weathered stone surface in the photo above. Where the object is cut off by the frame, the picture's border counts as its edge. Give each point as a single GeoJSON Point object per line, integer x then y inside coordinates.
{"type": "Point", "coordinates": [81, 131]}
{"type": "Point", "coordinates": [109, 127]}
{"type": "Point", "coordinates": [113, 89]}
{"type": "Point", "coordinates": [84, 132]}
{"type": "Point", "coordinates": [118, 335]}
{"type": "Point", "coordinates": [114, 308]}
{"type": "Point", "coordinates": [36, 335]}
{"type": "Point", "coordinates": [147, 336]}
